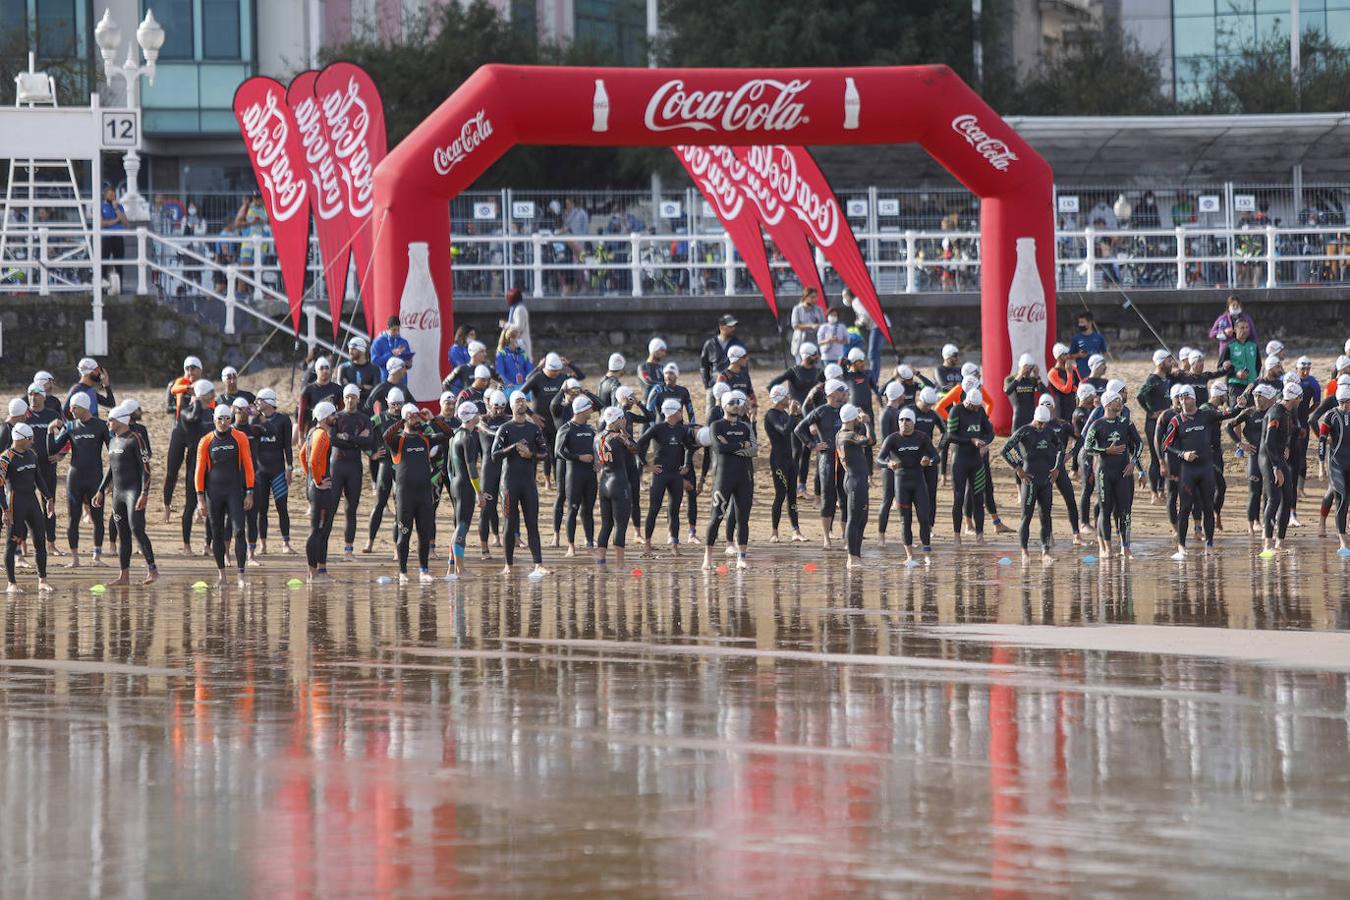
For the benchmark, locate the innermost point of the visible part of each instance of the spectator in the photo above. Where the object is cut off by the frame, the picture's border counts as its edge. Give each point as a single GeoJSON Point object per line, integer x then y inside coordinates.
{"type": "Point", "coordinates": [1225, 326]}
{"type": "Point", "coordinates": [575, 221]}
{"type": "Point", "coordinates": [874, 338]}
{"type": "Point", "coordinates": [114, 223]}
{"type": "Point", "coordinates": [518, 318]}
{"type": "Point", "coordinates": [1102, 216]}
{"type": "Point", "coordinates": [459, 350]}
{"type": "Point", "coordinates": [388, 344]}
{"type": "Point", "coordinates": [1146, 214]}
{"type": "Point", "coordinates": [1088, 342]}
{"type": "Point", "coordinates": [713, 359]}
{"type": "Point", "coordinates": [513, 363]}
{"type": "Point", "coordinates": [832, 338]}
{"type": "Point", "coordinates": [807, 317]}
{"type": "Point", "coordinates": [1239, 358]}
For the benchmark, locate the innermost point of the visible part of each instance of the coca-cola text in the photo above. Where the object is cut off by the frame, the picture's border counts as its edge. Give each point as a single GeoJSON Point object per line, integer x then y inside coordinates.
{"type": "Point", "coordinates": [267, 129]}
{"type": "Point", "coordinates": [474, 132]}
{"type": "Point", "coordinates": [420, 319]}
{"type": "Point", "coordinates": [761, 104]}
{"type": "Point", "coordinates": [348, 118]}
{"type": "Point", "coordinates": [319, 155]}
{"type": "Point", "coordinates": [777, 169]}
{"type": "Point", "coordinates": [1029, 313]}
{"type": "Point", "coordinates": [993, 149]}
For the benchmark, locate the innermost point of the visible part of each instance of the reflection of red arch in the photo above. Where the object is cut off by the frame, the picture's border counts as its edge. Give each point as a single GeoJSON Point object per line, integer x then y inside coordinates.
{"type": "Point", "coordinates": [501, 106]}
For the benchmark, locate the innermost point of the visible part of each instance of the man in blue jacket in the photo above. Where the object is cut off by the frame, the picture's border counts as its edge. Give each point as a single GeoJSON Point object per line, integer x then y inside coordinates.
{"type": "Point", "coordinates": [388, 343]}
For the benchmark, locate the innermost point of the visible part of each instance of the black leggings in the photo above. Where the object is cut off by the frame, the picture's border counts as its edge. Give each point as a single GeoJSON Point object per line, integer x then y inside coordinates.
{"type": "Point", "coordinates": [911, 492]}
{"type": "Point", "coordinates": [1065, 487]}
{"type": "Point", "coordinates": [856, 489]}
{"type": "Point", "coordinates": [521, 499]}
{"type": "Point", "coordinates": [1220, 487]}
{"type": "Point", "coordinates": [732, 501]}
{"type": "Point", "coordinates": [322, 506]}
{"type": "Point", "coordinates": [79, 493]}
{"type": "Point", "coordinates": [415, 508]}
{"type": "Point", "coordinates": [1196, 485]}
{"type": "Point", "coordinates": [128, 520]}
{"type": "Point", "coordinates": [1036, 495]}
{"type": "Point", "coordinates": [968, 476]}
{"type": "Point", "coordinates": [348, 477]}
{"type": "Point", "coordinates": [989, 504]}
{"type": "Point", "coordinates": [28, 518]}
{"type": "Point", "coordinates": [222, 502]}
{"type": "Point", "coordinates": [669, 485]}
{"type": "Point", "coordinates": [1115, 495]}
{"type": "Point", "coordinates": [1279, 500]}
{"type": "Point", "coordinates": [178, 453]}
{"type": "Point", "coordinates": [616, 511]}
{"type": "Point", "coordinates": [784, 472]}
{"type": "Point", "coordinates": [581, 488]}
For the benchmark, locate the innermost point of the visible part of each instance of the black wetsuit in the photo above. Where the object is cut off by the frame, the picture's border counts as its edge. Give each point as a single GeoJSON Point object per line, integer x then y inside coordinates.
{"type": "Point", "coordinates": [414, 495]}
{"type": "Point", "coordinates": [384, 477]}
{"type": "Point", "coordinates": [194, 423]}
{"type": "Point", "coordinates": [465, 450]}
{"type": "Point", "coordinates": [38, 420]}
{"type": "Point", "coordinates": [779, 424]}
{"type": "Point", "coordinates": [1154, 397]}
{"type": "Point", "coordinates": [542, 390]}
{"type": "Point", "coordinates": [965, 425]}
{"type": "Point", "coordinates": [1246, 427]}
{"type": "Point", "coordinates": [855, 459]}
{"type": "Point", "coordinates": [1277, 434]}
{"type": "Point", "coordinates": [270, 465]}
{"type": "Point", "coordinates": [1115, 489]}
{"type": "Point", "coordinates": [579, 484]}
{"type": "Point", "coordinates": [800, 380]}
{"type": "Point", "coordinates": [489, 478]}
{"type": "Point", "coordinates": [1022, 394]}
{"type": "Point", "coordinates": [129, 478]}
{"type": "Point", "coordinates": [1191, 433]}
{"type": "Point", "coordinates": [927, 422]}
{"type": "Point", "coordinates": [312, 395]}
{"type": "Point", "coordinates": [352, 437]}
{"type": "Point", "coordinates": [910, 482]}
{"type": "Point", "coordinates": [615, 450]}
{"type": "Point", "coordinates": [733, 440]}
{"type": "Point", "coordinates": [673, 468]}
{"type": "Point", "coordinates": [1039, 453]}
{"type": "Point", "coordinates": [364, 375]}
{"type": "Point", "coordinates": [1082, 463]}
{"type": "Point", "coordinates": [24, 489]}
{"type": "Point", "coordinates": [1063, 432]}
{"type": "Point", "coordinates": [86, 441]}
{"type": "Point", "coordinates": [826, 419]}
{"type": "Point", "coordinates": [520, 494]}
{"type": "Point", "coordinates": [1334, 428]}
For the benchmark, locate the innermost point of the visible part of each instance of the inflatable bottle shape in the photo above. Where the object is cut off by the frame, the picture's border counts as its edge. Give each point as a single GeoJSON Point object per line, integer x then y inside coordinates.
{"type": "Point", "coordinates": [1026, 307]}
{"type": "Point", "coordinates": [420, 315]}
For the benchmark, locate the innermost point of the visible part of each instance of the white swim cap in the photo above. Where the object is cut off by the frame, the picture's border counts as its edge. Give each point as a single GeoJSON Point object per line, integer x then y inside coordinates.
{"type": "Point", "coordinates": [228, 371]}
{"type": "Point", "coordinates": [81, 400]}
{"type": "Point", "coordinates": [705, 436]}
{"type": "Point", "coordinates": [121, 413]}
{"type": "Point", "coordinates": [1085, 391]}
{"type": "Point", "coordinates": [1271, 362]}
{"type": "Point", "coordinates": [617, 362]}
{"type": "Point", "coordinates": [351, 390]}
{"type": "Point", "coordinates": [323, 363]}
{"type": "Point", "coordinates": [623, 393]}
{"type": "Point", "coordinates": [655, 345]}
{"type": "Point", "coordinates": [777, 394]}
{"type": "Point", "coordinates": [223, 412]}
{"type": "Point", "coordinates": [1059, 350]}
{"type": "Point", "coordinates": [1274, 347]}
{"type": "Point", "coordinates": [834, 386]}
{"type": "Point", "coordinates": [734, 398]}
{"type": "Point", "coordinates": [267, 395]}
{"type": "Point", "coordinates": [239, 403]}
{"type": "Point", "coordinates": [1025, 360]}
{"type": "Point", "coordinates": [834, 371]}
{"type": "Point", "coordinates": [467, 412]}
{"type": "Point", "coordinates": [907, 414]}
{"type": "Point", "coordinates": [1096, 360]}
{"type": "Point", "coordinates": [571, 384]}
{"type": "Point", "coordinates": [191, 362]}
{"type": "Point", "coordinates": [1042, 414]}
{"type": "Point", "coordinates": [670, 368]}
{"type": "Point", "coordinates": [1265, 390]}
{"type": "Point", "coordinates": [18, 407]}
{"type": "Point", "coordinates": [86, 366]}
{"type": "Point", "coordinates": [950, 350]}
{"type": "Point", "coordinates": [1160, 357]}
{"type": "Point", "coordinates": [807, 349]}
{"type": "Point", "coordinates": [848, 412]}
{"type": "Point", "coordinates": [928, 396]}
{"type": "Point", "coordinates": [201, 387]}
{"type": "Point", "coordinates": [720, 389]}
{"type": "Point", "coordinates": [1046, 400]}
{"type": "Point", "coordinates": [968, 369]}
{"type": "Point", "coordinates": [670, 407]}
{"type": "Point", "coordinates": [552, 362]}
{"type": "Point", "coordinates": [856, 355]}
{"type": "Point", "coordinates": [394, 396]}
{"type": "Point", "coordinates": [447, 397]}
{"type": "Point", "coordinates": [611, 415]}
{"type": "Point", "coordinates": [1342, 392]}
{"type": "Point", "coordinates": [22, 432]}
{"type": "Point", "coordinates": [475, 347]}
{"type": "Point", "coordinates": [894, 391]}
{"type": "Point", "coordinates": [1218, 389]}
{"type": "Point", "coordinates": [497, 398]}
{"type": "Point", "coordinates": [482, 373]}
{"type": "Point", "coordinates": [1293, 392]}
{"type": "Point", "coordinates": [735, 352]}
{"type": "Point", "coordinates": [581, 404]}
{"type": "Point", "coordinates": [395, 364]}
{"type": "Point", "coordinates": [1111, 397]}
{"type": "Point", "coordinates": [906, 372]}
{"type": "Point", "coordinates": [410, 411]}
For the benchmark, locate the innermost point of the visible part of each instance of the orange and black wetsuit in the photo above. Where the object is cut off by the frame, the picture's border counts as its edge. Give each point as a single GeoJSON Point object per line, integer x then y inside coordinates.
{"type": "Point", "coordinates": [315, 460]}
{"type": "Point", "coordinates": [225, 475]}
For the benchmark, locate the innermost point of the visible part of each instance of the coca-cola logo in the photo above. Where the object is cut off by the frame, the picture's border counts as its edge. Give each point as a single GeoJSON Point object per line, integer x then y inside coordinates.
{"type": "Point", "coordinates": [776, 167]}
{"type": "Point", "coordinates": [761, 104]}
{"type": "Point", "coordinates": [471, 136]}
{"type": "Point", "coordinates": [267, 130]}
{"type": "Point", "coordinates": [1026, 313]}
{"type": "Point", "coordinates": [714, 180]}
{"type": "Point", "coordinates": [420, 320]}
{"type": "Point", "coordinates": [319, 155]}
{"type": "Point", "coordinates": [348, 118]}
{"type": "Point", "coordinates": [991, 148]}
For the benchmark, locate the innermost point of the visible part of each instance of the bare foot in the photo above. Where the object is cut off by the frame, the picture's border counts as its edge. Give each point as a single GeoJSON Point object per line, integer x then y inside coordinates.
{"type": "Point", "coordinates": [798, 537]}
{"type": "Point", "coordinates": [44, 587]}
{"type": "Point", "coordinates": [13, 588]}
{"type": "Point", "coordinates": [151, 576]}
{"type": "Point", "coordinates": [121, 580]}
{"type": "Point", "coordinates": [571, 551]}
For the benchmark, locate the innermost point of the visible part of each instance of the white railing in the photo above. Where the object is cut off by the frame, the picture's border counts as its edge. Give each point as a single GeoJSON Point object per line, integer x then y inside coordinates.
{"type": "Point", "coordinates": [242, 273]}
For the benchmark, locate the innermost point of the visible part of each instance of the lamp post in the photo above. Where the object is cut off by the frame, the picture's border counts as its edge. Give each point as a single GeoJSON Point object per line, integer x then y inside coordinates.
{"type": "Point", "coordinates": [150, 37]}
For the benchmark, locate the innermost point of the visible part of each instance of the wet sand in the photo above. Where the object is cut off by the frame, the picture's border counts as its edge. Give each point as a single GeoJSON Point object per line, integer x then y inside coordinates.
{"type": "Point", "coordinates": [775, 732]}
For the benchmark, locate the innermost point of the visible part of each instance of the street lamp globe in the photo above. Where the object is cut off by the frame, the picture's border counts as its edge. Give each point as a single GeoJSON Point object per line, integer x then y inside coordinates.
{"type": "Point", "coordinates": [150, 36]}
{"type": "Point", "coordinates": [108, 35]}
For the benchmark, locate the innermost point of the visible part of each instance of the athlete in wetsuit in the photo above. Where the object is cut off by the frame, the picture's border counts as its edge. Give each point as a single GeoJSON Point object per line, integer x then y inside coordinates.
{"type": "Point", "coordinates": [1334, 428]}
{"type": "Point", "coordinates": [465, 448]}
{"type": "Point", "coordinates": [1114, 445]}
{"type": "Point", "coordinates": [612, 381]}
{"type": "Point", "coordinates": [1245, 430]}
{"type": "Point", "coordinates": [272, 467]}
{"type": "Point", "coordinates": [1082, 462]}
{"type": "Point", "coordinates": [1277, 435]}
{"type": "Point", "coordinates": [910, 455]}
{"type": "Point", "coordinates": [542, 385]}
{"type": "Point", "coordinates": [490, 473]}
{"type": "Point", "coordinates": [780, 421]}
{"type": "Point", "coordinates": [888, 425]}
{"type": "Point", "coordinates": [819, 429]}
{"type": "Point", "coordinates": [230, 376]}
{"type": "Point", "coordinates": [852, 444]}
{"type": "Point", "coordinates": [733, 439]}
{"type": "Point", "coordinates": [181, 392]}
{"type": "Point", "coordinates": [86, 437]}
{"type": "Point", "coordinates": [224, 483]}
{"type": "Point", "coordinates": [315, 456]}
{"type": "Point", "coordinates": [410, 442]}
{"type": "Point", "coordinates": [520, 445]}
{"type": "Point", "coordinates": [1037, 456]}
{"type": "Point", "coordinates": [21, 485]}
{"type": "Point", "coordinates": [322, 388]}
{"type": "Point", "coordinates": [614, 449]}
{"type": "Point", "coordinates": [1023, 388]}
{"type": "Point", "coordinates": [671, 470]}
{"type": "Point", "coordinates": [129, 478]}
{"type": "Point", "coordinates": [635, 419]}
{"type": "Point", "coordinates": [43, 410]}
{"type": "Point", "coordinates": [1154, 397]}
{"type": "Point", "coordinates": [1063, 433]}
{"type": "Point", "coordinates": [195, 422]}
{"type": "Point", "coordinates": [970, 431]}
{"type": "Point", "coordinates": [1188, 442]}
{"type": "Point", "coordinates": [384, 467]}
{"type": "Point", "coordinates": [575, 444]}
{"type": "Point", "coordinates": [352, 438]}
{"type": "Point", "coordinates": [360, 371]}
{"type": "Point", "coordinates": [800, 379]}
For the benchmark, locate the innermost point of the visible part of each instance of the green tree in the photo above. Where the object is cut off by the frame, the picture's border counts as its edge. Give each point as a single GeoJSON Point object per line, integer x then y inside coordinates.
{"type": "Point", "coordinates": [69, 71]}
{"type": "Point", "coordinates": [1258, 79]}
{"type": "Point", "coordinates": [449, 43]}
{"type": "Point", "coordinates": [1101, 73]}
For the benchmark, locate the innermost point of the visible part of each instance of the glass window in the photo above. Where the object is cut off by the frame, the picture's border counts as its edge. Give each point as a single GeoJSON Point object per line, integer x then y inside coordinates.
{"type": "Point", "coordinates": [56, 29]}
{"type": "Point", "coordinates": [176, 18]}
{"type": "Point", "coordinates": [220, 29]}
{"type": "Point", "coordinates": [1192, 8]}
{"type": "Point", "coordinates": [1268, 24]}
{"type": "Point", "coordinates": [1338, 26]}
{"type": "Point", "coordinates": [1235, 31]}
{"type": "Point", "coordinates": [616, 25]}
{"type": "Point", "coordinates": [14, 15]}
{"type": "Point", "coordinates": [1193, 37]}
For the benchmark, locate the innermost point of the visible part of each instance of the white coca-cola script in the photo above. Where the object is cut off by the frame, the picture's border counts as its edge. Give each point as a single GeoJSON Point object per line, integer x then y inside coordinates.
{"type": "Point", "coordinates": [319, 155]}
{"type": "Point", "coordinates": [471, 136]}
{"type": "Point", "coordinates": [991, 148]}
{"type": "Point", "coordinates": [777, 170]}
{"type": "Point", "coordinates": [267, 130]}
{"type": "Point", "coordinates": [348, 119]}
{"type": "Point", "coordinates": [420, 319]}
{"type": "Point", "coordinates": [1030, 313]}
{"type": "Point", "coordinates": [761, 104]}
{"type": "Point", "coordinates": [717, 182]}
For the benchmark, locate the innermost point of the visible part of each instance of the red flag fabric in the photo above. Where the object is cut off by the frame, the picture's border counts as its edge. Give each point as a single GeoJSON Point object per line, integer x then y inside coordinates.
{"type": "Point", "coordinates": [327, 200]}
{"type": "Point", "coordinates": [797, 179]}
{"type": "Point", "coordinates": [784, 230]}
{"type": "Point", "coordinates": [719, 177]}
{"type": "Point", "coordinates": [354, 117]}
{"type": "Point", "coordinates": [273, 144]}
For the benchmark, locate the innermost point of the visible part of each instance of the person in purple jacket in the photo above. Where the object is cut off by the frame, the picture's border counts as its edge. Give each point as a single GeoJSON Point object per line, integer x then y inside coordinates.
{"type": "Point", "coordinates": [1224, 326]}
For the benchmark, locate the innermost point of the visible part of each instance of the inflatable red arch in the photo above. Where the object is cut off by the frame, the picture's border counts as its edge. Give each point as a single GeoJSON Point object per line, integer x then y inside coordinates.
{"type": "Point", "coordinates": [501, 106]}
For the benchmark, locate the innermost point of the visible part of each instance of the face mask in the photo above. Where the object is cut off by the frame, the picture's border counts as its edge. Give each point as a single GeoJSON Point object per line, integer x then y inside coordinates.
{"type": "Point", "coordinates": [834, 320]}
{"type": "Point", "coordinates": [1084, 327]}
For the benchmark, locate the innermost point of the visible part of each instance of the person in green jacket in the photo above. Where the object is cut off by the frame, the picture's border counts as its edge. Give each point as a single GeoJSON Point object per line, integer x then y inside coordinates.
{"type": "Point", "coordinates": [1240, 359]}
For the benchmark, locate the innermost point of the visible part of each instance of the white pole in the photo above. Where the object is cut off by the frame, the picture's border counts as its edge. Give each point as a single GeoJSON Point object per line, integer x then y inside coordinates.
{"type": "Point", "coordinates": [1294, 43]}
{"type": "Point", "coordinates": [96, 330]}
{"type": "Point", "coordinates": [977, 50]}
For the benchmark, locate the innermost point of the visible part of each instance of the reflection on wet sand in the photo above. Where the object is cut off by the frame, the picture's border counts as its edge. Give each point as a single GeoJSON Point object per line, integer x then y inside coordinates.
{"type": "Point", "coordinates": [783, 732]}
